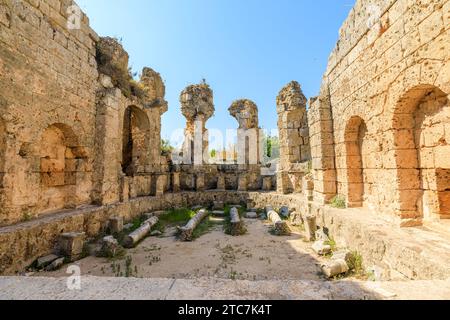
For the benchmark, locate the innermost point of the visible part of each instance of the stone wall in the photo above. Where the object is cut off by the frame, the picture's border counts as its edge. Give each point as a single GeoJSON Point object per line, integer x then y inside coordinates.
{"type": "Point", "coordinates": [394, 253]}
{"type": "Point", "coordinates": [387, 79]}
{"type": "Point", "coordinates": [295, 149]}
{"type": "Point", "coordinates": [75, 127]}
{"type": "Point", "coordinates": [45, 70]}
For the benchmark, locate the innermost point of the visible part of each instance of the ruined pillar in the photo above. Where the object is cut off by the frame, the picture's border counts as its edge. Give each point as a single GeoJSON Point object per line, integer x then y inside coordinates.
{"type": "Point", "coordinates": [113, 99]}
{"type": "Point", "coordinates": [197, 107]}
{"type": "Point", "coordinates": [221, 183]}
{"type": "Point", "coordinates": [153, 100]}
{"type": "Point", "coordinates": [248, 134]}
{"type": "Point", "coordinates": [242, 182]}
{"type": "Point", "coordinates": [295, 150]}
{"type": "Point", "coordinates": [322, 146]}
{"type": "Point", "coordinates": [176, 183]}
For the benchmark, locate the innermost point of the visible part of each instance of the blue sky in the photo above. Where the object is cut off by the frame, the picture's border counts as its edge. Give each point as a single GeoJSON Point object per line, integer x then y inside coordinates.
{"type": "Point", "coordinates": [243, 48]}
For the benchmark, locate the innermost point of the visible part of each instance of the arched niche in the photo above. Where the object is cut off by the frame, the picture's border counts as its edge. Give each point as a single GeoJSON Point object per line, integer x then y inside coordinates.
{"type": "Point", "coordinates": [62, 159]}
{"type": "Point", "coordinates": [136, 138]}
{"type": "Point", "coordinates": [421, 127]}
{"type": "Point", "coordinates": [355, 135]}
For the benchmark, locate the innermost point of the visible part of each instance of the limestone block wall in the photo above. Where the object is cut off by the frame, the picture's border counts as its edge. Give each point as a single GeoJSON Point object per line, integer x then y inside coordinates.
{"type": "Point", "coordinates": [128, 162]}
{"type": "Point", "coordinates": [45, 69]}
{"type": "Point", "coordinates": [322, 148]}
{"type": "Point", "coordinates": [387, 84]}
{"type": "Point", "coordinates": [75, 128]}
{"type": "Point", "coordinates": [218, 177]}
{"type": "Point", "coordinates": [295, 149]}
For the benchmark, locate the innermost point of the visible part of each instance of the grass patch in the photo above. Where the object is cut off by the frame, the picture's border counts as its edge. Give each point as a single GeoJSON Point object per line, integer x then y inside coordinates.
{"type": "Point", "coordinates": [26, 216]}
{"type": "Point", "coordinates": [332, 244]}
{"type": "Point", "coordinates": [173, 218]}
{"type": "Point", "coordinates": [355, 263]}
{"type": "Point", "coordinates": [338, 202]}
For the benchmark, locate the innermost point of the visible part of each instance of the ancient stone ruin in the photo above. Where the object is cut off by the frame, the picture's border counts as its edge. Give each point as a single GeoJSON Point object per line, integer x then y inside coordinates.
{"type": "Point", "coordinates": [80, 142]}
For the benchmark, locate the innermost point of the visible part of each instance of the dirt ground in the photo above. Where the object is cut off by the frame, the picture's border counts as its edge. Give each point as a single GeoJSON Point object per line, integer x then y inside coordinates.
{"type": "Point", "coordinates": [258, 255]}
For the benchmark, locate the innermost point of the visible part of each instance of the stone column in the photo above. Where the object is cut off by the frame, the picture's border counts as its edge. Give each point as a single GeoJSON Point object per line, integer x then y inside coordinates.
{"type": "Point", "coordinates": [322, 146]}
{"type": "Point", "coordinates": [267, 184]}
{"type": "Point", "coordinates": [294, 138]}
{"type": "Point", "coordinates": [155, 105]}
{"type": "Point", "coordinates": [160, 185]}
{"type": "Point", "coordinates": [197, 107]}
{"type": "Point", "coordinates": [242, 182]}
{"type": "Point", "coordinates": [221, 183]}
{"type": "Point", "coordinates": [107, 183]}
{"type": "Point", "coordinates": [176, 182]}
{"type": "Point", "coordinates": [248, 134]}
{"type": "Point", "coordinates": [200, 182]}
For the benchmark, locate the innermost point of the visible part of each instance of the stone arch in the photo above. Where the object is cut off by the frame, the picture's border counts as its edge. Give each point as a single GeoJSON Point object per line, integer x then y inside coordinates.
{"type": "Point", "coordinates": [355, 134]}
{"type": "Point", "coordinates": [61, 158]}
{"type": "Point", "coordinates": [136, 137]}
{"type": "Point", "coordinates": [421, 124]}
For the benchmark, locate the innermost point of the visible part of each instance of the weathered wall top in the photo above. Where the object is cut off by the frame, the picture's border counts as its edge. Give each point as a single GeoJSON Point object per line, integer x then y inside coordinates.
{"type": "Point", "coordinates": [111, 56]}
{"type": "Point", "coordinates": [246, 113]}
{"type": "Point", "coordinates": [197, 100]}
{"type": "Point", "coordinates": [362, 18]}
{"type": "Point", "coordinates": [291, 98]}
{"type": "Point", "coordinates": [154, 88]}
{"type": "Point", "coordinates": [112, 60]}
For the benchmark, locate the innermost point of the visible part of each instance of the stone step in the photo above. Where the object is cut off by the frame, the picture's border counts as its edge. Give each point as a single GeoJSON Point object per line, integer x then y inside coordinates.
{"type": "Point", "coordinates": [103, 288]}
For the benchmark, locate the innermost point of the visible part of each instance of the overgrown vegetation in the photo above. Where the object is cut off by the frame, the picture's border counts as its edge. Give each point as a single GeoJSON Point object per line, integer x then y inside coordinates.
{"type": "Point", "coordinates": [26, 216]}
{"type": "Point", "coordinates": [356, 268]}
{"type": "Point", "coordinates": [129, 271]}
{"type": "Point", "coordinates": [121, 78]}
{"type": "Point", "coordinates": [332, 244]}
{"type": "Point", "coordinates": [174, 218]}
{"type": "Point", "coordinates": [310, 167]}
{"type": "Point", "coordinates": [338, 202]}
{"type": "Point", "coordinates": [355, 263]}
{"type": "Point", "coordinates": [271, 147]}
{"type": "Point", "coordinates": [166, 147]}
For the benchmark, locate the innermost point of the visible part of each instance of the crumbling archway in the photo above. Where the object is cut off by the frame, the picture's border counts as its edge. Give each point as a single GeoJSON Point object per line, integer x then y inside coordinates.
{"type": "Point", "coordinates": [61, 158]}
{"type": "Point", "coordinates": [355, 133]}
{"type": "Point", "coordinates": [136, 137]}
{"type": "Point", "coordinates": [421, 126]}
